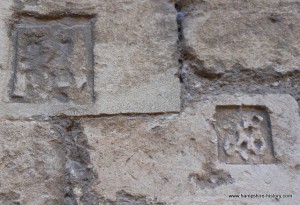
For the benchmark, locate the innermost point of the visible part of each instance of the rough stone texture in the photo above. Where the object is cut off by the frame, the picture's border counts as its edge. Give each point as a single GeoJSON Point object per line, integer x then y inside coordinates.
{"type": "Point", "coordinates": [78, 170]}
{"type": "Point", "coordinates": [103, 123]}
{"type": "Point", "coordinates": [258, 34]}
{"type": "Point", "coordinates": [53, 61]}
{"type": "Point", "coordinates": [230, 47]}
{"type": "Point", "coordinates": [125, 63]}
{"type": "Point", "coordinates": [174, 159]}
{"type": "Point", "coordinates": [31, 164]}
{"type": "Point", "coordinates": [244, 135]}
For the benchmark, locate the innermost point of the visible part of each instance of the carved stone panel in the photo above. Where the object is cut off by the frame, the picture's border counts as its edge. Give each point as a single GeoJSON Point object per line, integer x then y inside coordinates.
{"type": "Point", "coordinates": [53, 61]}
{"type": "Point", "coordinates": [244, 135]}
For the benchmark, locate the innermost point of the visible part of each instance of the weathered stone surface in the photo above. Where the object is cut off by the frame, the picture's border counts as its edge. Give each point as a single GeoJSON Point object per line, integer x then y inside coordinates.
{"type": "Point", "coordinates": [31, 164]}
{"type": "Point", "coordinates": [258, 34]}
{"type": "Point", "coordinates": [244, 135]}
{"type": "Point", "coordinates": [89, 94]}
{"type": "Point", "coordinates": [78, 172]}
{"type": "Point", "coordinates": [53, 61]}
{"type": "Point", "coordinates": [174, 159]}
{"type": "Point", "coordinates": [125, 62]}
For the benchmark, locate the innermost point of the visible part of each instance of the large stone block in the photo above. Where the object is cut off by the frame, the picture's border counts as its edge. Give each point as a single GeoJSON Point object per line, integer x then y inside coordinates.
{"type": "Point", "coordinates": [257, 34]}
{"type": "Point", "coordinates": [178, 159]}
{"type": "Point", "coordinates": [89, 58]}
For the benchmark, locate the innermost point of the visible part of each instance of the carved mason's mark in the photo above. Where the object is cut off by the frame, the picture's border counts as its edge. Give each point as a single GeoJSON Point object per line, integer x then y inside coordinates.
{"type": "Point", "coordinates": [244, 135]}
{"type": "Point", "coordinates": [53, 61]}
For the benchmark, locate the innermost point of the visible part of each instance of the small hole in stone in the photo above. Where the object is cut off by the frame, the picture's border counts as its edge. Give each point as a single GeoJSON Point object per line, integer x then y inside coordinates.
{"type": "Point", "coordinates": [65, 40]}
{"type": "Point", "coordinates": [252, 152]}
{"type": "Point", "coordinates": [244, 145]}
{"type": "Point", "coordinates": [255, 119]}
{"type": "Point", "coordinates": [258, 143]}
{"type": "Point", "coordinates": [62, 97]}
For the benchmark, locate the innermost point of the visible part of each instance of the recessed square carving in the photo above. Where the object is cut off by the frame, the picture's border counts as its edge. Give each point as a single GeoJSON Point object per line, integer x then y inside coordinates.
{"type": "Point", "coordinates": [53, 61]}
{"type": "Point", "coordinates": [244, 135]}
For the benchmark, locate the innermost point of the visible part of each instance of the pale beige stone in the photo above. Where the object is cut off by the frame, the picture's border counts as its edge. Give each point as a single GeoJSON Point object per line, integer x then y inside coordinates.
{"type": "Point", "coordinates": [31, 164]}
{"type": "Point", "coordinates": [133, 65]}
{"type": "Point", "coordinates": [155, 155]}
{"type": "Point", "coordinates": [174, 158]}
{"type": "Point", "coordinates": [256, 34]}
{"type": "Point", "coordinates": [244, 135]}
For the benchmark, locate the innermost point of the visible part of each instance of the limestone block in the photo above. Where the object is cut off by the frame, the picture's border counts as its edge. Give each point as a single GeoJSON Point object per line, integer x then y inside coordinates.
{"type": "Point", "coordinates": [180, 159]}
{"type": "Point", "coordinates": [258, 34]}
{"type": "Point", "coordinates": [91, 58]}
{"type": "Point", "coordinates": [31, 164]}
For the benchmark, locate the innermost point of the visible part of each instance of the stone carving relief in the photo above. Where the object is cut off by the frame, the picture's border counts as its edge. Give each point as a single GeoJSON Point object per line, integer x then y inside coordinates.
{"type": "Point", "coordinates": [244, 135]}
{"type": "Point", "coordinates": [53, 61]}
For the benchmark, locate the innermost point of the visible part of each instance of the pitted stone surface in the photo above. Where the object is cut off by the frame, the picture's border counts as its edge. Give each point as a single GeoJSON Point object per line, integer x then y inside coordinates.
{"type": "Point", "coordinates": [174, 159]}
{"type": "Point", "coordinates": [232, 136]}
{"type": "Point", "coordinates": [53, 61]}
{"type": "Point", "coordinates": [125, 62]}
{"type": "Point", "coordinates": [31, 164]}
{"type": "Point", "coordinates": [244, 135]}
{"type": "Point", "coordinates": [256, 34]}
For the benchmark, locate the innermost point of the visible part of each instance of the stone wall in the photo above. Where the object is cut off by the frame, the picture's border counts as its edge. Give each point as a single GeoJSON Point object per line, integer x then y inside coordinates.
{"type": "Point", "coordinates": [149, 102]}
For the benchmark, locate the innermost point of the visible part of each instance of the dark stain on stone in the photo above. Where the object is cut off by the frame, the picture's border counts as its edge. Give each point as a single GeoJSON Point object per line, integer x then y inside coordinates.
{"type": "Point", "coordinates": [275, 18]}
{"type": "Point", "coordinates": [79, 175]}
{"type": "Point", "coordinates": [212, 177]}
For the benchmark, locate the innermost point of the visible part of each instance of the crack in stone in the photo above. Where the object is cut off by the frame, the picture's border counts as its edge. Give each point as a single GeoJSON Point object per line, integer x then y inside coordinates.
{"type": "Point", "coordinates": [79, 175]}
{"type": "Point", "coordinates": [198, 81]}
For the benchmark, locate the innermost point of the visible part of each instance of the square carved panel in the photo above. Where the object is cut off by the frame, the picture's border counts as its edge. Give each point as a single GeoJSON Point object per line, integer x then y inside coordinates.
{"type": "Point", "coordinates": [244, 135]}
{"type": "Point", "coordinates": [53, 61]}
